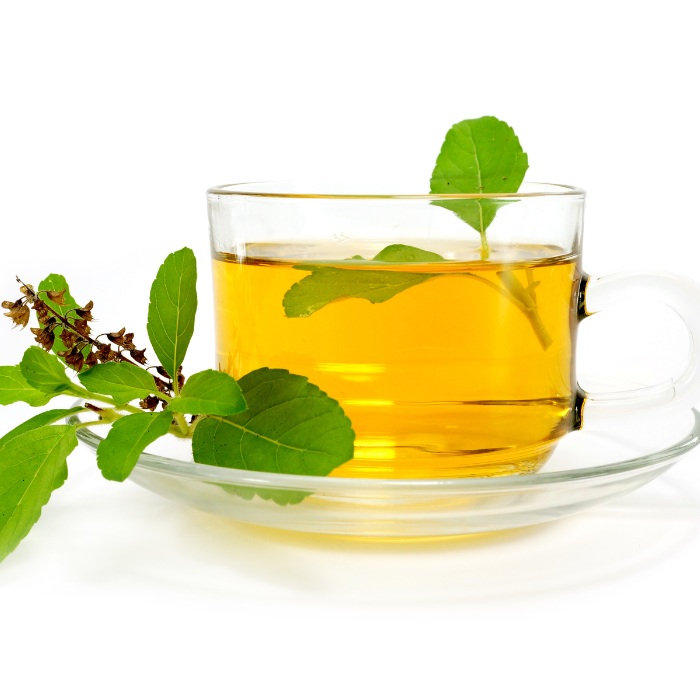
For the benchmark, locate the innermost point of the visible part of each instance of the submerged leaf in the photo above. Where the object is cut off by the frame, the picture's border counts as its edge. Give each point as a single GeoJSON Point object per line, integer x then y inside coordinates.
{"type": "Point", "coordinates": [326, 284]}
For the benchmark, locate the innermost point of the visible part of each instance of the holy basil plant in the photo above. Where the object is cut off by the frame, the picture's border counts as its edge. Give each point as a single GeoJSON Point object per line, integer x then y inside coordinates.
{"type": "Point", "coordinates": [269, 420]}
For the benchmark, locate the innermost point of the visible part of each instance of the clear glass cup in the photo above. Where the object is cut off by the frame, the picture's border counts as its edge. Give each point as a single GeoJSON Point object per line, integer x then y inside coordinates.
{"type": "Point", "coordinates": [452, 349]}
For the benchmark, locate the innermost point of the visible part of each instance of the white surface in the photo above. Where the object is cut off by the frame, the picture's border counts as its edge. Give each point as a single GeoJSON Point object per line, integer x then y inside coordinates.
{"type": "Point", "coordinates": [116, 117]}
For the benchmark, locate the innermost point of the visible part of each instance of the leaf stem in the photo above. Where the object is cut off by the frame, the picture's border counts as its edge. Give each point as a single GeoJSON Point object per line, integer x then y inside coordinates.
{"type": "Point", "coordinates": [484, 251]}
{"type": "Point", "coordinates": [182, 424]}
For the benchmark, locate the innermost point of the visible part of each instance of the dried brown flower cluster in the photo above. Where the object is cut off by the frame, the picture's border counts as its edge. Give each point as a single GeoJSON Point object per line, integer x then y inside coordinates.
{"type": "Point", "coordinates": [82, 351]}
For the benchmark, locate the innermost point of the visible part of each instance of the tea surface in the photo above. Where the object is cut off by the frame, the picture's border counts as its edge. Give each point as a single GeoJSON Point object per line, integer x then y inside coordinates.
{"type": "Point", "coordinates": [468, 373]}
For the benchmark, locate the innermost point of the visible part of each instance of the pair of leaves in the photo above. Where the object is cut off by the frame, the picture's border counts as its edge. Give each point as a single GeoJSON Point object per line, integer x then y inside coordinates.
{"type": "Point", "coordinates": [478, 156]}
{"type": "Point", "coordinates": [205, 392]}
{"type": "Point", "coordinates": [326, 284]}
{"type": "Point", "coordinates": [286, 421]}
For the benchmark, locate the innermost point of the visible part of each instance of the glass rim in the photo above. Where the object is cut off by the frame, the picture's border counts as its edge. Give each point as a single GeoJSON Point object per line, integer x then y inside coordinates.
{"type": "Point", "coordinates": [557, 191]}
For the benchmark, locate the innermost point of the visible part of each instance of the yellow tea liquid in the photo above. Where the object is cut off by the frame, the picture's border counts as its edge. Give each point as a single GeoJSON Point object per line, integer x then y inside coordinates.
{"type": "Point", "coordinates": [469, 373]}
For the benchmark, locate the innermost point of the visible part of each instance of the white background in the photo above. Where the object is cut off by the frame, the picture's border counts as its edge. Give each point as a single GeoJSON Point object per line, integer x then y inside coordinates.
{"type": "Point", "coordinates": [115, 118]}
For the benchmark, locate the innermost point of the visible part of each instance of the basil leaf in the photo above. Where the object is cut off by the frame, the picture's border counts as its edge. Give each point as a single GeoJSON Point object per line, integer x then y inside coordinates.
{"type": "Point", "coordinates": [479, 156]}
{"type": "Point", "coordinates": [122, 381]}
{"type": "Point", "coordinates": [14, 387]}
{"type": "Point", "coordinates": [129, 437]}
{"type": "Point", "coordinates": [281, 497]}
{"type": "Point", "coordinates": [211, 392]}
{"type": "Point", "coordinates": [290, 427]}
{"type": "Point", "coordinates": [39, 421]}
{"type": "Point", "coordinates": [44, 372]}
{"type": "Point", "coordinates": [57, 283]}
{"type": "Point", "coordinates": [326, 284]}
{"type": "Point", "coordinates": [32, 466]}
{"type": "Point", "coordinates": [172, 309]}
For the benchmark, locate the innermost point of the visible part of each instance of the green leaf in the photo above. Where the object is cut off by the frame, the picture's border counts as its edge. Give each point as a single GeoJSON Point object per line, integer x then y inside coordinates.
{"type": "Point", "coordinates": [290, 427]}
{"type": "Point", "coordinates": [56, 283]}
{"type": "Point", "coordinates": [129, 437]}
{"type": "Point", "coordinates": [39, 421]}
{"type": "Point", "coordinates": [14, 387]}
{"type": "Point", "coordinates": [172, 309]}
{"type": "Point", "coordinates": [44, 372]}
{"type": "Point", "coordinates": [32, 466]}
{"type": "Point", "coordinates": [210, 392]}
{"type": "Point", "coordinates": [122, 381]}
{"type": "Point", "coordinates": [479, 156]}
{"type": "Point", "coordinates": [282, 497]}
{"type": "Point", "coordinates": [326, 284]}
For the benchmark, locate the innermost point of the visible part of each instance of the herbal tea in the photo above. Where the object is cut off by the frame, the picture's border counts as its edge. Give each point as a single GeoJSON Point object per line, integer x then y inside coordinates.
{"type": "Point", "coordinates": [446, 368]}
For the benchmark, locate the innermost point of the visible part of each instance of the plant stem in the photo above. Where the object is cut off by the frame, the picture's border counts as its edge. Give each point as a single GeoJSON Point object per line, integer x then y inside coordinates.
{"type": "Point", "coordinates": [182, 424]}
{"type": "Point", "coordinates": [484, 251]}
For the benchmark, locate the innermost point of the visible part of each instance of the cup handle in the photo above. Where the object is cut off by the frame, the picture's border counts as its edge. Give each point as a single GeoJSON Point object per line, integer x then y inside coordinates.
{"type": "Point", "coordinates": [677, 393]}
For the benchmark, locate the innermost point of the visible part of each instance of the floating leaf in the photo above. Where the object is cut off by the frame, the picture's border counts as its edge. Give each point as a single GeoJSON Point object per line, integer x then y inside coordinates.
{"type": "Point", "coordinates": [290, 427]}
{"type": "Point", "coordinates": [122, 381]}
{"type": "Point", "coordinates": [129, 437]}
{"type": "Point", "coordinates": [326, 284]}
{"type": "Point", "coordinates": [14, 387]}
{"type": "Point", "coordinates": [172, 310]}
{"type": "Point", "coordinates": [210, 392]}
{"type": "Point", "coordinates": [32, 466]}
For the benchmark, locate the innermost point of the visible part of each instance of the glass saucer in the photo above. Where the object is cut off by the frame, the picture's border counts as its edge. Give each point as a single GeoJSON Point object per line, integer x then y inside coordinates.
{"type": "Point", "coordinates": [587, 468]}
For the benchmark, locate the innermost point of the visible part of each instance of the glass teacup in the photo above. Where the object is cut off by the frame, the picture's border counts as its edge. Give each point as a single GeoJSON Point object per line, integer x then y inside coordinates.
{"type": "Point", "coordinates": [451, 359]}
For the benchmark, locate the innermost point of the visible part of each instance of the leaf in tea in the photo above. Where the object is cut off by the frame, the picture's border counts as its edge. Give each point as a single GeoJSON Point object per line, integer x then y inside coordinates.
{"type": "Point", "coordinates": [326, 284]}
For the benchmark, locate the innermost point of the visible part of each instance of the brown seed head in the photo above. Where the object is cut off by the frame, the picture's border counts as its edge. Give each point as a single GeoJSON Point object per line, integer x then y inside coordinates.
{"type": "Point", "coordinates": [56, 297]}
{"type": "Point", "coordinates": [19, 315]}
{"type": "Point", "coordinates": [82, 327]}
{"type": "Point", "coordinates": [44, 337]}
{"type": "Point", "coordinates": [161, 370]}
{"type": "Point", "coordinates": [150, 403]}
{"type": "Point", "coordinates": [86, 312]}
{"type": "Point", "coordinates": [118, 337]}
{"type": "Point", "coordinates": [138, 356]}
{"type": "Point", "coordinates": [91, 360]}
{"type": "Point", "coordinates": [73, 358]}
{"type": "Point", "coordinates": [42, 311]}
{"type": "Point", "coordinates": [68, 338]}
